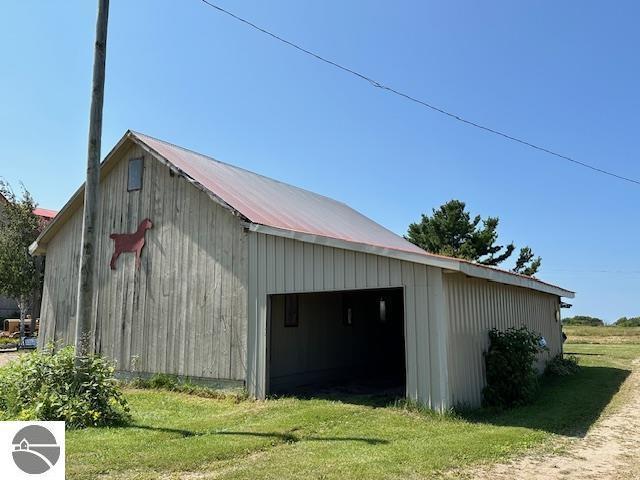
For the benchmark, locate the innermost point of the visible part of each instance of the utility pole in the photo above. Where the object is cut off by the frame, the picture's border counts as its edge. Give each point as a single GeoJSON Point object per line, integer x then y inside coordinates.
{"type": "Point", "coordinates": [84, 306]}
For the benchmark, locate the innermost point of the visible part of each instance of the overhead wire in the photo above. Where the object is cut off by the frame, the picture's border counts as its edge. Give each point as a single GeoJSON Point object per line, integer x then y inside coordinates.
{"type": "Point", "coordinates": [406, 96]}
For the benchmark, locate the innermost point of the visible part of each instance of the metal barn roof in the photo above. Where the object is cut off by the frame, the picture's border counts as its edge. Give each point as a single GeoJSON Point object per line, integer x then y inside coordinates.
{"type": "Point", "coordinates": [45, 212]}
{"type": "Point", "coordinates": [276, 208]}
{"type": "Point", "coordinates": [269, 202]}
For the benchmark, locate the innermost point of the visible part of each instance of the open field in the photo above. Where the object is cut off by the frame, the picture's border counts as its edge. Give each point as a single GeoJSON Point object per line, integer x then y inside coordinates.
{"type": "Point", "coordinates": [180, 436]}
{"type": "Point", "coordinates": [602, 335]}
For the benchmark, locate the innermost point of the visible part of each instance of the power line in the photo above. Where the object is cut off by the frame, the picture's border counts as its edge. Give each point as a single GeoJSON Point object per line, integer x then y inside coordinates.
{"type": "Point", "coordinates": [406, 96]}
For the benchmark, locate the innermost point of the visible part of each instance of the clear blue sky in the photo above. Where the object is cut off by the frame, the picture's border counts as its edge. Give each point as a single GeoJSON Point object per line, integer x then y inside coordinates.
{"type": "Point", "coordinates": [562, 74]}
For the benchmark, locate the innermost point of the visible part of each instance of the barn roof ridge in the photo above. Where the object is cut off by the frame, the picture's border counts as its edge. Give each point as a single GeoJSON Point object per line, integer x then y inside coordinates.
{"type": "Point", "coordinates": [265, 201]}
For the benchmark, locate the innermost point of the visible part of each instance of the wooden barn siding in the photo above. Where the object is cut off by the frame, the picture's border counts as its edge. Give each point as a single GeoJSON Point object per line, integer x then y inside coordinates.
{"type": "Point", "coordinates": [474, 307]}
{"type": "Point", "coordinates": [281, 265]}
{"type": "Point", "coordinates": [184, 312]}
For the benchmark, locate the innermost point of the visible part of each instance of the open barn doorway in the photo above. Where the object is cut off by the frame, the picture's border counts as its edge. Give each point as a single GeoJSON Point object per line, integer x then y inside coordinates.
{"type": "Point", "coordinates": [350, 342]}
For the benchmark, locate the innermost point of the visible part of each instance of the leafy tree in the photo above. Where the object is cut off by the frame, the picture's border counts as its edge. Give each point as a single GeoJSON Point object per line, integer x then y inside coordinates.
{"type": "Point", "coordinates": [628, 322]}
{"type": "Point", "coordinates": [451, 231]}
{"type": "Point", "coordinates": [19, 228]}
{"type": "Point", "coordinates": [583, 320]}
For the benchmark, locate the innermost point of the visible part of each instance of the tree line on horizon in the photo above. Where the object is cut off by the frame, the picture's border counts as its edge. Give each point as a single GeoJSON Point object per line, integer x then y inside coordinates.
{"type": "Point", "coordinates": [585, 320]}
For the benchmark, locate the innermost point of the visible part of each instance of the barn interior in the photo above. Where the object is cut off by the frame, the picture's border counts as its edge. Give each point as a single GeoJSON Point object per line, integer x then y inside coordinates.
{"type": "Point", "coordinates": [348, 342]}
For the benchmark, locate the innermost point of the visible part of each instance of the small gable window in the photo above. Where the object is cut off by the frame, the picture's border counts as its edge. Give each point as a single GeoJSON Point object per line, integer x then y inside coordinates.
{"type": "Point", "coordinates": [135, 174]}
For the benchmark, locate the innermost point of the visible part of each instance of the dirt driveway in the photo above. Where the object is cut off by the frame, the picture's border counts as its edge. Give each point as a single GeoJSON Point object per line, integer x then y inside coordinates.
{"type": "Point", "coordinates": [6, 357]}
{"type": "Point", "coordinates": [610, 450]}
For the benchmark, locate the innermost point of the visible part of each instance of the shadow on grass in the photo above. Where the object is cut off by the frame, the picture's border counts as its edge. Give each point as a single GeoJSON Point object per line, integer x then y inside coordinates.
{"type": "Point", "coordinates": [291, 437]}
{"type": "Point", "coordinates": [176, 431]}
{"type": "Point", "coordinates": [285, 437]}
{"type": "Point", "coordinates": [565, 405]}
{"type": "Point", "coordinates": [585, 354]}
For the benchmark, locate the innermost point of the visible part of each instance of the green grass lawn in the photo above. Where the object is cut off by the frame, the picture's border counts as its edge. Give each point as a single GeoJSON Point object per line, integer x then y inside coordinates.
{"type": "Point", "coordinates": [173, 434]}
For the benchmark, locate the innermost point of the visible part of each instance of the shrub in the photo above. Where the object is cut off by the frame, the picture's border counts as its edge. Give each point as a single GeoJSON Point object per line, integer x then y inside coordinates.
{"type": "Point", "coordinates": [560, 366]}
{"type": "Point", "coordinates": [163, 381]}
{"type": "Point", "coordinates": [511, 377]}
{"type": "Point", "coordinates": [583, 320]}
{"type": "Point", "coordinates": [6, 342]}
{"type": "Point", "coordinates": [46, 386]}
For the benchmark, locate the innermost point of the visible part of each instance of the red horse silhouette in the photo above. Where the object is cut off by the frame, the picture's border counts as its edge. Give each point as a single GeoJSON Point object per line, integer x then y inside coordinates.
{"type": "Point", "coordinates": [130, 242]}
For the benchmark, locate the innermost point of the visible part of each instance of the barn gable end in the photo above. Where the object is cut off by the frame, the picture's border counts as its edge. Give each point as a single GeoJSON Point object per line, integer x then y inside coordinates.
{"type": "Point", "coordinates": [184, 311]}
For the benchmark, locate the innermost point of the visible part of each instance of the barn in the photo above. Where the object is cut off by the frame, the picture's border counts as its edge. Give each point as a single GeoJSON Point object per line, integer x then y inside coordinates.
{"type": "Point", "coordinates": [233, 278]}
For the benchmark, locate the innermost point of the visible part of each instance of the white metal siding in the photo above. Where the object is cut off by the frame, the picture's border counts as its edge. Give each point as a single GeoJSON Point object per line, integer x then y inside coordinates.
{"type": "Point", "coordinates": [282, 265]}
{"type": "Point", "coordinates": [474, 307]}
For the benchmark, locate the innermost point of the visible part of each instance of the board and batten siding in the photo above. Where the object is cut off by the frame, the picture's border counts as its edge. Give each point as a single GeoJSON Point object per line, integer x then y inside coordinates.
{"type": "Point", "coordinates": [281, 265]}
{"type": "Point", "coordinates": [184, 311]}
{"type": "Point", "coordinates": [474, 307]}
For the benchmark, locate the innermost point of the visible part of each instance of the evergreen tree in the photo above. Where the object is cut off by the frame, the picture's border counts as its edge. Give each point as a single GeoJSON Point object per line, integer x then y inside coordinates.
{"type": "Point", "coordinates": [526, 264]}
{"type": "Point", "coordinates": [451, 231]}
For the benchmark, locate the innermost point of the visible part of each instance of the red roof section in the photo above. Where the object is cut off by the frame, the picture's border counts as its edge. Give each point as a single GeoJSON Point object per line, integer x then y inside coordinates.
{"type": "Point", "coordinates": [45, 213]}
{"type": "Point", "coordinates": [269, 202]}
{"type": "Point", "coordinates": [40, 212]}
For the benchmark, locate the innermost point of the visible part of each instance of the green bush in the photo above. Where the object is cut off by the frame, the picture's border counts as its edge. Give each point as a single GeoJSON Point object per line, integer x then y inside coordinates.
{"type": "Point", "coordinates": [6, 342]}
{"type": "Point", "coordinates": [163, 381]}
{"type": "Point", "coordinates": [560, 366]}
{"type": "Point", "coordinates": [511, 377]}
{"type": "Point", "coordinates": [46, 386]}
{"type": "Point", "coordinates": [583, 320]}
